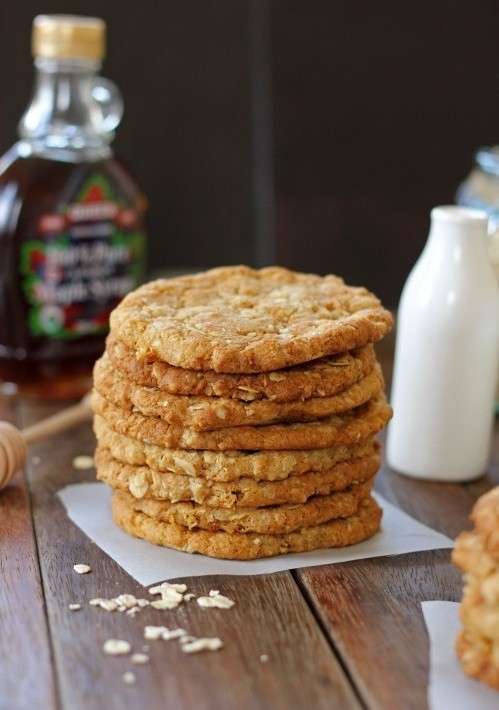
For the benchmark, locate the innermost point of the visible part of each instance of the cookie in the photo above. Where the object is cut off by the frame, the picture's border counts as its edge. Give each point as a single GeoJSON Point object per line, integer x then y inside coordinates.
{"type": "Point", "coordinates": [208, 413]}
{"type": "Point", "coordinates": [319, 378]}
{"type": "Point", "coordinates": [485, 516]}
{"type": "Point", "coordinates": [241, 320]}
{"type": "Point", "coordinates": [236, 546]}
{"type": "Point", "coordinates": [479, 657]}
{"type": "Point", "coordinates": [471, 555]}
{"type": "Point", "coordinates": [478, 616]}
{"type": "Point", "coordinates": [228, 465]}
{"type": "Point", "coordinates": [349, 428]}
{"type": "Point", "coordinates": [476, 553]}
{"type": "Point", "coordinates": [482, 591]}
{"type": "Point", "coordinates": [144, 482]}
{"type": "Point", "coordinates": [273, 520]}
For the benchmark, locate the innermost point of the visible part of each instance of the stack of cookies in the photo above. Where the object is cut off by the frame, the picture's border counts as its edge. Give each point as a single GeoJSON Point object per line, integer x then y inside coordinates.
{"type": "Point", "coordinates": [236, 412]}
{"type": "Point", "coordinates": [477, 554]}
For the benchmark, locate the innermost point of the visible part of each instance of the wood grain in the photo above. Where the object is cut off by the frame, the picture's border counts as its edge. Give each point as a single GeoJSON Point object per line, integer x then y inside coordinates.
{"type": "Point", "coordinates": [372, 608]}
{"type": "Point", "coordinates": [369, 649]}
{"type": "Point", "coordinates": [26, 675]}
{"type": "Point", "coordinates": [270, 617]}
{"type": "Point", "coordinates": [372, 611]}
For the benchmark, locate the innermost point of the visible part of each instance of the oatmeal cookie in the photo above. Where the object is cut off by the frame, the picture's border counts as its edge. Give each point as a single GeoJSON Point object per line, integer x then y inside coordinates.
{"type": "Point", "coordinates": [320, 378]}
{"type": "Point", "coordinates": [236, 546]}
{"type": "Point", "coordinates": [272, 520]}
{"type": "Point", "coordinates": [476, 553]}
{"type": "Point", "coordinates": [348, 428]}
{"type": "Point", "coordinates": [208, 413]}
{"type": "Point", "coordinates": [240, 320]}
{"type": "Point", "coordinates": [485, 516]}
{"type": "Point", "coordinates": [144, 482]}
{"type": "Point", "coordinates": [479, 657]}
{"type": "Point", "coordinates": [471, 555]}
{"type": "Point", "coordinates": [228, 465]}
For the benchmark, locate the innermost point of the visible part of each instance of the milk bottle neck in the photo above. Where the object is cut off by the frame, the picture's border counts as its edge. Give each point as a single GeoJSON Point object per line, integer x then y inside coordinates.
{"type": "Point", "coordinates": [458, 235]}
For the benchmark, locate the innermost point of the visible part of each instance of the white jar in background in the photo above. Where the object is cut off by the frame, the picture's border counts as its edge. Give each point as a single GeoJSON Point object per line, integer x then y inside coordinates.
{"type": "Point", "coordinates": [480, 191]}
{"type": "Point", "coordinates": [447, 352]}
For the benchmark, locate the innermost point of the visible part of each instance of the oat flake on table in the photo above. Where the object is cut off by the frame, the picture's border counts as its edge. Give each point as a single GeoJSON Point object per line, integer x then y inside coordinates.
{"type": "Point", "coordinates": [83, 462]}
{"type": "Point", "coordinates": [82, 568]}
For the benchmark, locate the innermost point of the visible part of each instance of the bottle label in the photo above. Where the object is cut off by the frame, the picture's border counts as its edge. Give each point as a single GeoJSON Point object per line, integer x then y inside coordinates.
{"type": "Point", "coordinates": [81, 261]}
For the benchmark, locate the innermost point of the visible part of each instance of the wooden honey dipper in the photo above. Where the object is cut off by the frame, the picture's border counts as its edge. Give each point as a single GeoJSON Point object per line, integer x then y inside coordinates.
{"type": "Point", "coordinates": [14, 442]}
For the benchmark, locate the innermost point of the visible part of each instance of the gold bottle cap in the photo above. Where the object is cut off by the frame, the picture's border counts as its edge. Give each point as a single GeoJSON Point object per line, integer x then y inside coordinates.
{"type": "Point", "coordinates": [68, 37]}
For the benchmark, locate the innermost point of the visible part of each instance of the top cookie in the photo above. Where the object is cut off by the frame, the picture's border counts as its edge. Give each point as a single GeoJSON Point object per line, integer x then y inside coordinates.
{"type": "Point", "coordinates": [241, 320]}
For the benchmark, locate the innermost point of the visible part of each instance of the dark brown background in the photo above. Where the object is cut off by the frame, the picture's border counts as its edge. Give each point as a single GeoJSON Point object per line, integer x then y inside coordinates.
{"type": "Point", "coordinates": [315, 134]}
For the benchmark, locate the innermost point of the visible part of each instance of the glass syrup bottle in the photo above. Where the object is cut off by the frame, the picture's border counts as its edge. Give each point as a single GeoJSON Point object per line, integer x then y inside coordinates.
{"type": "Point", "coordinates": [72, 232]}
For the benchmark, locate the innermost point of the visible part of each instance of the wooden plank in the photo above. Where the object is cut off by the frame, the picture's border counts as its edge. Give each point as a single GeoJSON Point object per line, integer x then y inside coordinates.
{"type": "Point", "coordinates": [26, 676]}
{"type": "Point", "coordinates": [270, 617]}
{"type": "Point", "coordinates": [371, 608]}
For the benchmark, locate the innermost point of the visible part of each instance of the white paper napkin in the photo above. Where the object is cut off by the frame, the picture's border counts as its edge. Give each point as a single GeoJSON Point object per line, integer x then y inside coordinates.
{"type": "Point", "coordinates": [88, 506]}
{"type": "Point", "coordinates": [448, 687]}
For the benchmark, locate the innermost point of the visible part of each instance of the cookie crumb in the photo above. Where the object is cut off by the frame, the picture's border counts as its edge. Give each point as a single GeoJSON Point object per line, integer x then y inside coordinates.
{"type": "Point", "coordinates": [83, 462]}
{"type": "Point", "coordinates": [153, 633]}
{"type": "Point", "coordinates": [168, 634]}
{"type": "Point", "coordinates": [82, 569]}
{"type": "Point", "coordinates": [74, 607]}
{"type": "Point", "coordinates": [171, 595]}
{"type": "Point", "coordinates": [129, 678]}
{"type": "Point", "coordinates": [164, 604]}
{"type": "Point", "coordinates": [139, 658]}
{"type": "Point", "coordinates": [116, 647]}
{"type": "Point", "coordinates": [164, 586]}
{"type": "Point", "coordinates": [123, 602]}
{"type": "Point", "coordinates": [106, 604]}
{"type": "Point", "coordinates": [187, 639]}
{"type": "Point", "coordinates": [215, 600]}
{"type": "Point", "coordinates": [202, 644]}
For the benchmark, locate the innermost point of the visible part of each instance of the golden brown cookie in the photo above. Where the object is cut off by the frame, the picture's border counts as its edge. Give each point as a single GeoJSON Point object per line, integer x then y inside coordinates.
{"type": "Point", "coordinates": [228, 465]}
{"type": "Point", "coordinates": [273, 520]}
{"type": "Point", "coordinates": [482, 591]}
{"type": "Point", "coordinates": [478, 616]}
{"type": "Point", "coordinates": [479, 657]}
{"type": "Point", "coordinates": [471, 555]}
{"type": "Point", "coordinates": [319, 378]}
{"type": "Point", "coordinates": [236, 546]}
{"type": "Point", "coordinates": [240, 320]}
{"type": "Point", "coordinates": [476, 552]}
{"type": "Point", "coordinates": [208, 413]}
{"type": "Point", "coordinates": [349, 428]}
{"type": "Point", "coordinates": [485, 516]}
{"type": "Point", "coordinates": [144, 482]}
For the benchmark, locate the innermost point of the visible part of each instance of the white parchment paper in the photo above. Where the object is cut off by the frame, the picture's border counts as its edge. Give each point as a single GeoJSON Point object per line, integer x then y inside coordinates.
{"type": "Point", "coordinates": [89, 506]}
{"type": "Point", "coordinates": [448, 687]}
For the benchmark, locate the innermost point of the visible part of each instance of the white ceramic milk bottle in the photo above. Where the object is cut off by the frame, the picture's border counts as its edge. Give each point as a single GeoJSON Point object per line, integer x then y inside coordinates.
{"type": "Point", "coordinates": [447, 354]}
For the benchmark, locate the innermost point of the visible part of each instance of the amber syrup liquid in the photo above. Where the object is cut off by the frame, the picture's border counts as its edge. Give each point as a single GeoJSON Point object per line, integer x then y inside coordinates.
{"type": "Point", "coordinates": [43, 364]}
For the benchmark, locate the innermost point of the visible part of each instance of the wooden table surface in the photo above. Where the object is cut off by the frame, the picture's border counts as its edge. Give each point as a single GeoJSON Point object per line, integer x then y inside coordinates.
{"type": "Point", "coordinates": [344, 636]}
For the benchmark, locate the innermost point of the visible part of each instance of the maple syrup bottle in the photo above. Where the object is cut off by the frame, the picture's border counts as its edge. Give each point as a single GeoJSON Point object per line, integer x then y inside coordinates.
{"type": "Point", "coordinates": [71, 217]}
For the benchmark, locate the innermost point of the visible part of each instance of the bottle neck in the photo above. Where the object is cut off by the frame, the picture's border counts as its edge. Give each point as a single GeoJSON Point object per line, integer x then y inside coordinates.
{"type": "Point", "coordinates": [64, 121]}
{"type": "Point", "coordinates": [458, 235]}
